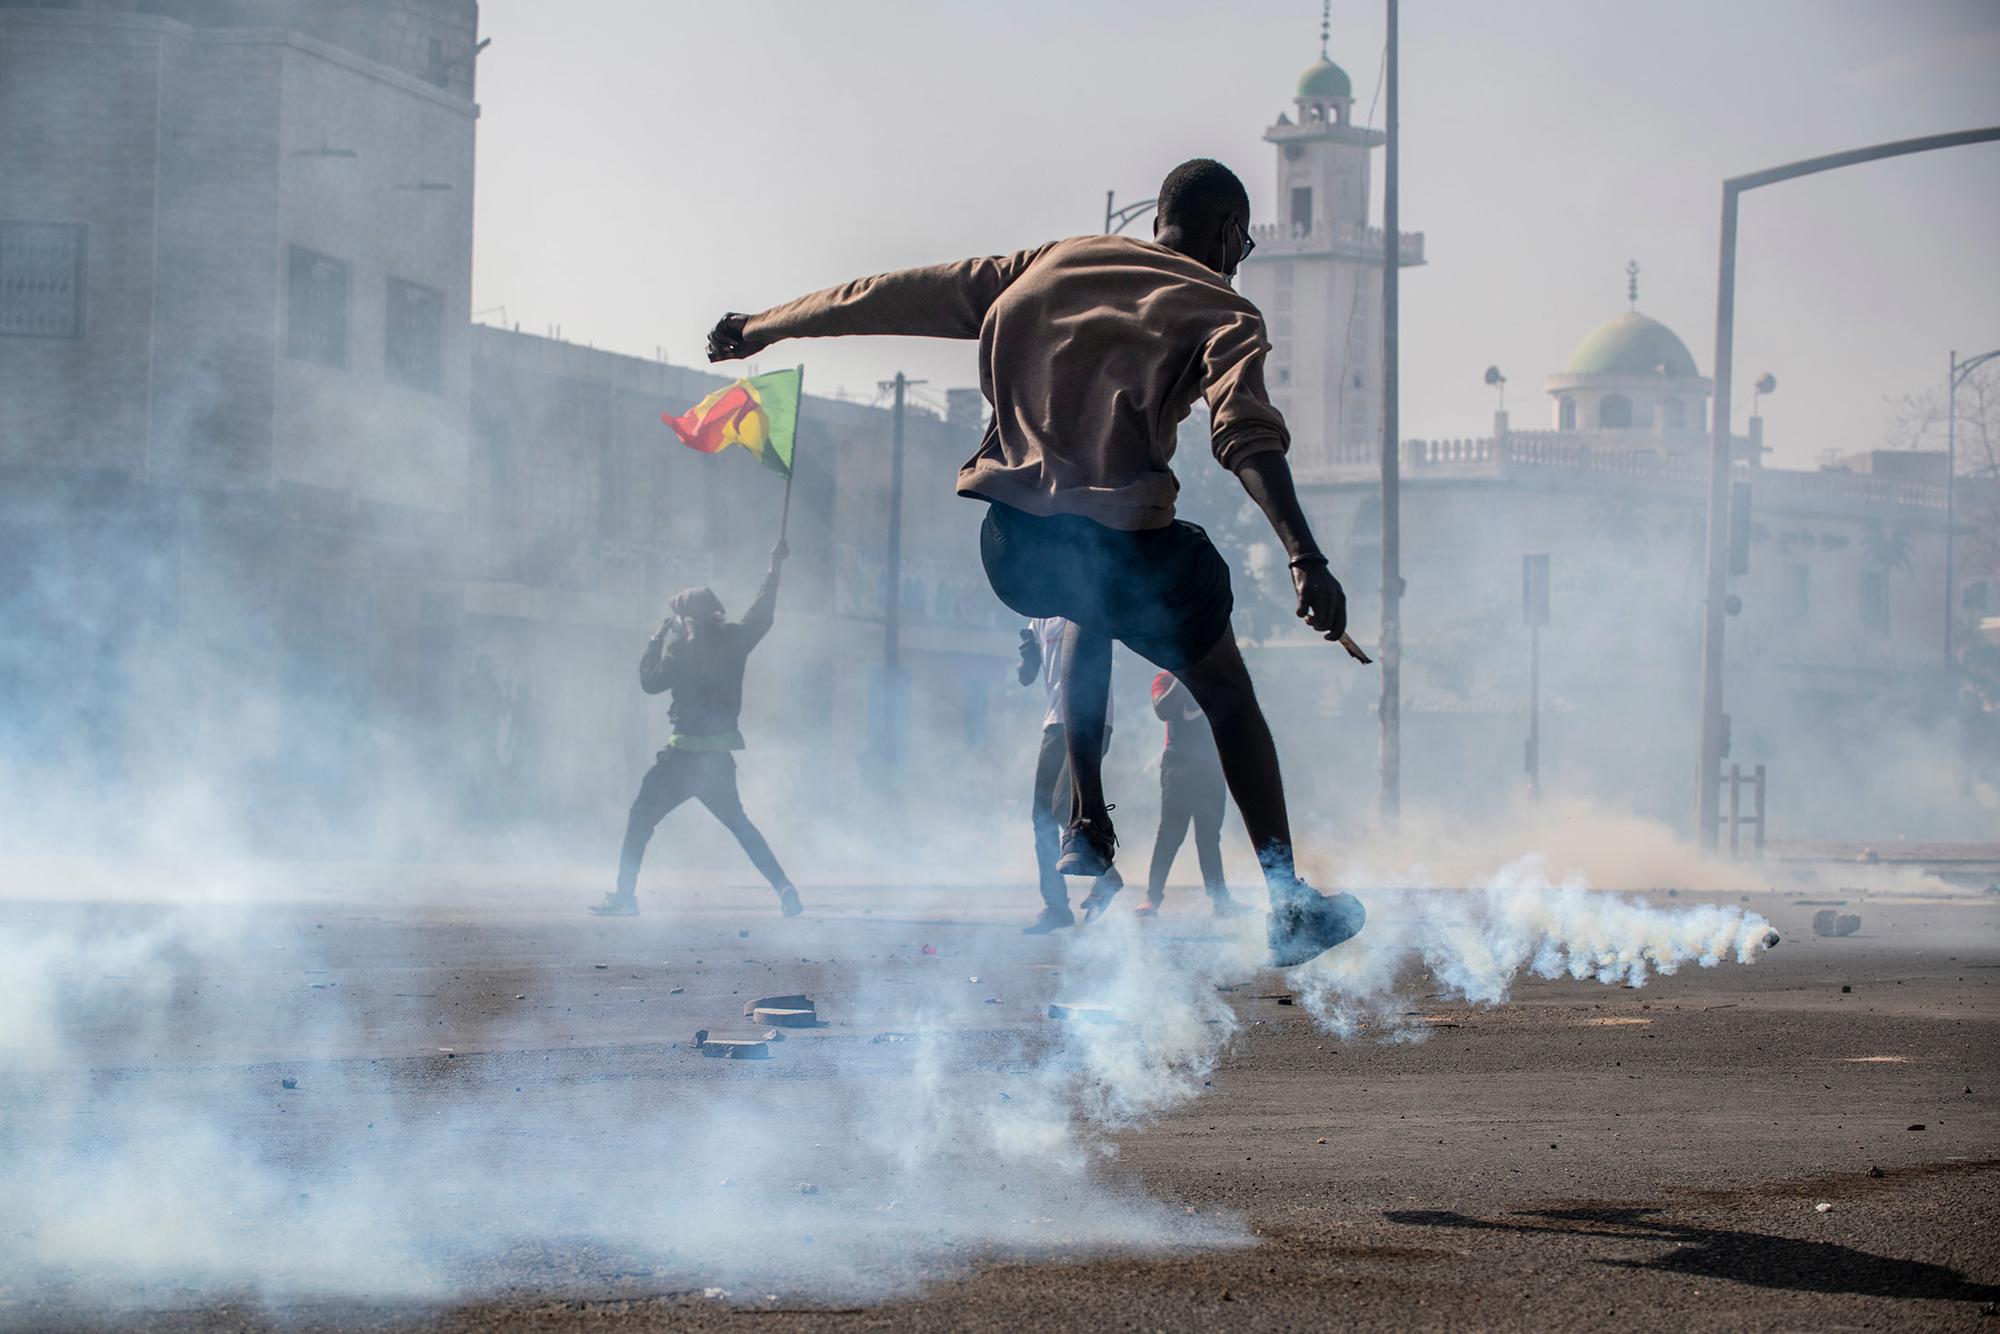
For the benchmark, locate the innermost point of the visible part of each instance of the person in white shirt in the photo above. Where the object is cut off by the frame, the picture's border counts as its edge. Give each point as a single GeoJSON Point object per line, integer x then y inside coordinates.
{"type": "Point", "coordinates": [1054, 797]}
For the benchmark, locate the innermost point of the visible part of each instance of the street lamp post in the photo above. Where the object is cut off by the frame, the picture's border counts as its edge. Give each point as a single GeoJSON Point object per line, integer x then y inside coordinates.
{"type": "Point", "coordinates": [1708, 778]}
{"type": "Point", "coordinates": [1118, 219]}
{"type": "Point", "coordinates": [1959, 370]}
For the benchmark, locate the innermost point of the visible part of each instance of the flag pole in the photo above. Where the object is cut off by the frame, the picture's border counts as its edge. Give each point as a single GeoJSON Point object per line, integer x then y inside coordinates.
{"type": "Point", "coordinates": [785, 515]}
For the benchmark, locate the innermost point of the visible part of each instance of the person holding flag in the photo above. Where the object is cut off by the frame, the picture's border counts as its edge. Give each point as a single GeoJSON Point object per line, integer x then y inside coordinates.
{"type": "Point", "coordinates": [698, 655]}
{"type": "Point", "coordinates": [1091, 351]}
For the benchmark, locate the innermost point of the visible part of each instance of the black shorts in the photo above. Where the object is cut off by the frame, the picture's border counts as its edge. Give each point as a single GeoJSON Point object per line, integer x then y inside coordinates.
{"type": "Point", "coordinates": [1162, 592]}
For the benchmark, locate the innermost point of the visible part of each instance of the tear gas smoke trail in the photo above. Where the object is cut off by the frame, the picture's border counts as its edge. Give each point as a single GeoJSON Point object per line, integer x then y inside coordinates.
{"type": "Point", "coordinates": [1477, 943]}
{"type": "Point", "coordinates": [971, 1141]}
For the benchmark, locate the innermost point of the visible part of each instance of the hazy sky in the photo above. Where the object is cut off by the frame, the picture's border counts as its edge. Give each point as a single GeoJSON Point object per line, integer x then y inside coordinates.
{"type": "Point", "coordinates": [645, 165]}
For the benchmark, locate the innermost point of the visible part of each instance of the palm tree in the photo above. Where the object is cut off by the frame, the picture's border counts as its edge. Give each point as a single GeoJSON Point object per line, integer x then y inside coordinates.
{"type": "Point", "coordinates": [1886, 548]}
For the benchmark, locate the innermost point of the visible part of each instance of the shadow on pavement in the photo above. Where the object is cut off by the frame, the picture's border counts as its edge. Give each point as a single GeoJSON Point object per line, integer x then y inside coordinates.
{"type": "Point", "coordinates": [1755, 1258]}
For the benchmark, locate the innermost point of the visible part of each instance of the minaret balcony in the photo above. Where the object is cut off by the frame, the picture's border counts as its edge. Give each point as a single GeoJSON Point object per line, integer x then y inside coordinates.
{"type": "Point", "coordinates": [1323, 131]}
{"type": "Point", "coordinates": [1333, 240]}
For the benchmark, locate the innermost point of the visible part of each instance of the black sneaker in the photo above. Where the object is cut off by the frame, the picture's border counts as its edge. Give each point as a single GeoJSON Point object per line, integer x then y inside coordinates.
{"type": "Point", "coordinates": [788, 902]}
{"type": "Point", "coordinates": [1308, 924]}
{"type": "Point", "coordinates": [1088, 847]}
{"type": "Point", "coordinates": [1054, 918]}
{"type": "Point", "coordinates": [616, 905]}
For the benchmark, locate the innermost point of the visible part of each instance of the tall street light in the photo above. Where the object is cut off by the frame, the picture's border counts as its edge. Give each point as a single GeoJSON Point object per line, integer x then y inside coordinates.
{"type": "Point", "coordinates": [1118, 219]}
{"type": "Point", "coordinates": [1708, 779]}
{"type": "Point", "coordinates": [1959, 370]}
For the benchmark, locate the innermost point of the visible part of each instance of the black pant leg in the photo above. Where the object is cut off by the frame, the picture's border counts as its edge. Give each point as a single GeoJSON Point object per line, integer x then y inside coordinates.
{"type": "Point", "coordinates": [1208, 800]}
{"type": "Point", "coordinates": [1176, 809]}
{"type": "Point", "coordinates": [1049, 812]}
{"type": "Point", "coordinates": [665, 786]}
{"type": "Point", "coordinates": [716, 789]}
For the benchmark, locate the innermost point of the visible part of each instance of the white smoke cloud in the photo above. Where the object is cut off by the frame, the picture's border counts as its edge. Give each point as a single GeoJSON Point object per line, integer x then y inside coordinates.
{"type": "Point", "coordinates": [146, 1154]}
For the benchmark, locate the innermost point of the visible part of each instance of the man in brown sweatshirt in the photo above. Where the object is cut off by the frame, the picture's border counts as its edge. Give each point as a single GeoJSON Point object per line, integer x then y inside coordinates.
{"type": "Point", "coordinates": [1092, 350]}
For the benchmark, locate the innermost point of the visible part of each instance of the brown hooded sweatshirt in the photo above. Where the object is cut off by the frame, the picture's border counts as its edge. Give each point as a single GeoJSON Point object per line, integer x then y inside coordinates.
{"type": "Point", "coordinates": [1091, 351]}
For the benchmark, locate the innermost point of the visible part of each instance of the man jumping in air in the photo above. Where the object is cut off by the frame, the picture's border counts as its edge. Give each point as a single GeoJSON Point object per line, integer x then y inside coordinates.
{"type": "Point", "coordinates": [699, 655]}
{"type": "Point", "coordinates": [1041, 654]}
{"type": "Point", "coordinates": [1091, 352]}
{"type": "Point", "coordinates": [1192, 790]}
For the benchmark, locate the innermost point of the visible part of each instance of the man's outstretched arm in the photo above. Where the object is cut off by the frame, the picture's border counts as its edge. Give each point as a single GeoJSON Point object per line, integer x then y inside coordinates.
{"type": "Point", "coordinates": [765, 609]}
{"type": "Point", "coordinates": [938, 301]}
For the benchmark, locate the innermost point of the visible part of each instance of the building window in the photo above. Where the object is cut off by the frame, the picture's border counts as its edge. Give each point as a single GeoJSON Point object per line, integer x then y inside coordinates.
{"type": "Point", "coordinates": [414, 340]}
{"type": "Point", "coordinates": [1614, 413]}
{"type": "Point", "coordinates": [1566, 414]}
{"type": "Point", "coordinates": [1673, 413]}
{"type": "Point", "coordinates": [1798, 592]}
{"type": "Point", "coordinates": [316, 309]}
{"type": "Point", "coordinates": [41, 279]}
{"type": "Point", "coordinates": [1302, 209]}
{"type": "Point", "coordinates": [1875, 601]}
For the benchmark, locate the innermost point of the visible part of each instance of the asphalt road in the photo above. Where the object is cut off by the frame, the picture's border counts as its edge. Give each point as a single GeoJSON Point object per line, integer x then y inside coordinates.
{"type": "Point", "coordinates": [480, 1079]}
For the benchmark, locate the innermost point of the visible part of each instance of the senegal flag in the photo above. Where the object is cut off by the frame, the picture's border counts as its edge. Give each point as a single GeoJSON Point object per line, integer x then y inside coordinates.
{"type": "Point", "coordinates": [761, 414]}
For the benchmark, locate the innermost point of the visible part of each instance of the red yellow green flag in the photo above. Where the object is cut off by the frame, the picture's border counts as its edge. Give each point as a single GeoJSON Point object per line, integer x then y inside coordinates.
{"type": "Point", "coordinates": [760, 413]}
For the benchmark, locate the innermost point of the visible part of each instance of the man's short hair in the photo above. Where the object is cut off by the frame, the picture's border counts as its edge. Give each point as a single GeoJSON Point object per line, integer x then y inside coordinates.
{"type": "Point", "coordinates": [1200, 192]}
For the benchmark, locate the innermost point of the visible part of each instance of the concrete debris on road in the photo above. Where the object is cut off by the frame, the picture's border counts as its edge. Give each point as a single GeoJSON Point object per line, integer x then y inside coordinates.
{"type": "Point", "coordinates": [783, 1018]}
{"type": "Point", "coordinates": [1827, 922]}
{"type": "Point", "coordinates": [288, 1083]}
{"type": "Point", "coordinates": [731, 1049]}
{"type": "Point", "coordinates": [793, 1011]}
{"type": "Point", "coordinates": [1822, 1208]}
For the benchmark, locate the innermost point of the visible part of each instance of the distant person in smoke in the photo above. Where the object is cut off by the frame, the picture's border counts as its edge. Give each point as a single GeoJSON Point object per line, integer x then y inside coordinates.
{"type": "Point", "coordinates": [1091, 352]}
{"type": "Point", "coordinates": [1054, 796]}
{"type": "Point", "coordinates": [699, 655]}
{"type": "Point", "coordinates": [1192, 791]}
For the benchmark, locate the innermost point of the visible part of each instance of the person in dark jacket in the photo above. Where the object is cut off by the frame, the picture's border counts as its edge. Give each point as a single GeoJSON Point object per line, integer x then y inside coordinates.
{"type": "Point", "coordinates": [1192, 790]}
{"type": "Point", "coordinates": [699, 655]}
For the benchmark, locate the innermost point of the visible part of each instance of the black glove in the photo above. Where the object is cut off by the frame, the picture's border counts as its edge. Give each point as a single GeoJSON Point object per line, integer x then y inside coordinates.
{"type": "Point", "coordinates": [1031, 657]}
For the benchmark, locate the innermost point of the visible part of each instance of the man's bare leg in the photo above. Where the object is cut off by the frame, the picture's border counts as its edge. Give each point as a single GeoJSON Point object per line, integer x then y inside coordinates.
{"type": "Point", "coordinates": [1303, 922]}
{"type": "Point", "coordinates": [1220, 683]}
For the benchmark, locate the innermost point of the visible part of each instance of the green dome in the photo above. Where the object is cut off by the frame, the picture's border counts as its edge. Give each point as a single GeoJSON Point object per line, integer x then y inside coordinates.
{"type": "Point", "coordinates": [1633, 345]}
{"type": "Point", "coordinates": [1325, 80]}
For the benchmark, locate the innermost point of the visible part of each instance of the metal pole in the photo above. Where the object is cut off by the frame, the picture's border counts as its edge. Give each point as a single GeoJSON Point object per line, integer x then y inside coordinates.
{"type": "Point", "coordinates": [1735, 807]}
{"type": "Point", "coordinates": [1759, 845]}
{"type": "Point", "coordinates": [1107, 209]}
{"type": "Point", "coordinates": [1534, 713]}
{"type": "Point", "coordinates": [893, 608]}
{"type": "Point", "coordinates": [1709, 777]}
{"type": "Point", "coordinates": [1950, 473]}
{"type": "Point", "coordinates": [1390, 712]}
{"type": "Point", "coordinates": [1708, 780]}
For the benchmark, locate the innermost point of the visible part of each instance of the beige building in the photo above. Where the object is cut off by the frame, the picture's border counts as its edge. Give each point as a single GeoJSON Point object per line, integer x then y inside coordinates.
{"type": "Point", "coordinates": [1317, 276]}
